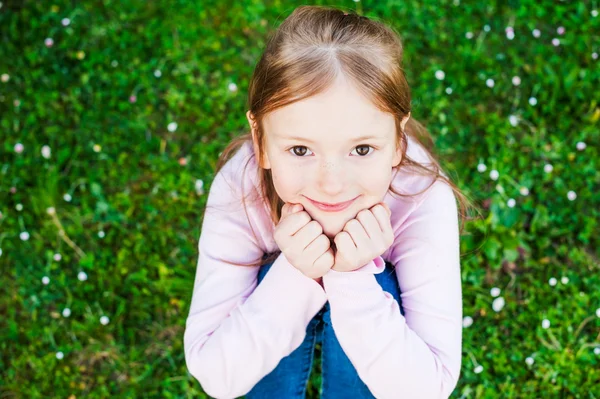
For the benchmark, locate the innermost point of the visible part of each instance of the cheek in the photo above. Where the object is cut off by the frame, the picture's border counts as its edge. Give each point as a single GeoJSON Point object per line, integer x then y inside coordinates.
{"type": "Point", "coordinates": [288, 182]}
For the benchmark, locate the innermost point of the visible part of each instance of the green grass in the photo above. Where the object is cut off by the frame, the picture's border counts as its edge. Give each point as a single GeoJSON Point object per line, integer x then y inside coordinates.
{"type": "Point", "coordinates": [134, 216]}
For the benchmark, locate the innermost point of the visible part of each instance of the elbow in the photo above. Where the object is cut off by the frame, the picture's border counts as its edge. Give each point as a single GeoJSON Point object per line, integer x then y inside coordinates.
{"type": "Point", "coordinates": [449, 381]}
{"type": "Point", "coordinates": [211, 381]}
{"type": "Point", "coordinates": [206, 369]}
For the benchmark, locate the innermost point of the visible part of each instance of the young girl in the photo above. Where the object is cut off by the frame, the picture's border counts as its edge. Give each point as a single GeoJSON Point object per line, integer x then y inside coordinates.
{"type": "Point", "coordinates": [329, 222]}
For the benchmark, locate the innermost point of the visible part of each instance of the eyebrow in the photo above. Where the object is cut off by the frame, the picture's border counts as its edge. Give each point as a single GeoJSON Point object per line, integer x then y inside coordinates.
{"type": "Point", "coordinates": [298, 138]}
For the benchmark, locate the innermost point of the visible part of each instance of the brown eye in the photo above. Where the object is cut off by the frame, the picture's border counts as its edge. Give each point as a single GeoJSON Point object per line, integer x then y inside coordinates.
{"type": "Point", "coordinates": [299, 150]}
{"type": "Point", "coordinates": [363, 150]}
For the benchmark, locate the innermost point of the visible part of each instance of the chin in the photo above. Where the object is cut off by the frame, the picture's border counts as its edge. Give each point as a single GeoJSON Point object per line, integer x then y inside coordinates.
{"type": "Point", "coordinates": [332, 227]}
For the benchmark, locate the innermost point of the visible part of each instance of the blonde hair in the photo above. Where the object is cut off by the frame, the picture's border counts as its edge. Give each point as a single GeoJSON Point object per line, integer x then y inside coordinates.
{"type": "Point", "coordinates": [303, 57]}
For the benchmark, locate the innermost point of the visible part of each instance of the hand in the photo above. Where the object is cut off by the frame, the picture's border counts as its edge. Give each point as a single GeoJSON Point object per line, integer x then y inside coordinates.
{"type": "Point", "coordinates": [364, 238]}
{"type": "Point", "coordinates": [303, 243]}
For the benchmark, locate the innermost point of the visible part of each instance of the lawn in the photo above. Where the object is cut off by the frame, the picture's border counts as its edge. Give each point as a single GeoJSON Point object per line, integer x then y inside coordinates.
{"type": "Point", "coordinates": [113, 115]}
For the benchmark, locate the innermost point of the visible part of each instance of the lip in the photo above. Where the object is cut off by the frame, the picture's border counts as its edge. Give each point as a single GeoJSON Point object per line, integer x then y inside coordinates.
{"type": "Point", "coordinates": [340, 206]}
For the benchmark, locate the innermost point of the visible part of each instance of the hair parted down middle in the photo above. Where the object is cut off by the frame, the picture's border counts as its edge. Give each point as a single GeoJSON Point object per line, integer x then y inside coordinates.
{"type": "Point", "coordinates": [303, 57]}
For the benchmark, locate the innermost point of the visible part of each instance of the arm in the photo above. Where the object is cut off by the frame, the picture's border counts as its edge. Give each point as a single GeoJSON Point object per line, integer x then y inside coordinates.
{"type": "Point", "coordinates": [417, 355]}
{"type": "Point", "coordinates": [236, 331]}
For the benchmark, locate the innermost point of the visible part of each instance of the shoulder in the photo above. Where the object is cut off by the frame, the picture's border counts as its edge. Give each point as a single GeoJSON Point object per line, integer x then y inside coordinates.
{"type": "Point", "coordinates": [239, 175]}
{"type": "Point", "coordinates": [414, 185]}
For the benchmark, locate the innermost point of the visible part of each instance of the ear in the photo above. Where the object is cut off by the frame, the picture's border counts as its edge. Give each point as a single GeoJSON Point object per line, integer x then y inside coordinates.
{"type": "Point", "coordinates": [398, 154]}
{"type": "Point", "coordinates": [404, 120]}
{"type": "Point", "coordinates": [254, 130]}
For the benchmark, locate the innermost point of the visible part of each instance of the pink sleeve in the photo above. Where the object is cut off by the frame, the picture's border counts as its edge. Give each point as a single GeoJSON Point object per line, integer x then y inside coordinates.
{"type": "Point", "coordinates": [237, 331]}
{"type": "Point", "coordinates": [417, 355]}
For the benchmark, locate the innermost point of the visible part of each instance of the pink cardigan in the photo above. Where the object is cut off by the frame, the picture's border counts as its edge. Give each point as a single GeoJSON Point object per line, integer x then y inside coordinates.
{"type": "Point", "coordinates": [238, 331]}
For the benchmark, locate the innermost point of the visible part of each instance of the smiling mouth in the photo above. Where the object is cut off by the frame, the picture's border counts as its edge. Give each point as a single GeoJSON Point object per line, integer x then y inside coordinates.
{"type": "Point", "coordinates": [332, 207]}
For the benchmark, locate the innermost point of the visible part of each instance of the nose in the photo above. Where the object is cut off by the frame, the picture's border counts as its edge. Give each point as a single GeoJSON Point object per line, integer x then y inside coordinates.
{"type": "Point", "coordinates": [332, 179]}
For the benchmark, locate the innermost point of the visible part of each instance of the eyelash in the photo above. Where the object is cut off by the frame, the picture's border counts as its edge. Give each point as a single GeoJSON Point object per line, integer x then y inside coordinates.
{"type": "Point", "coordinates": [303, 156]}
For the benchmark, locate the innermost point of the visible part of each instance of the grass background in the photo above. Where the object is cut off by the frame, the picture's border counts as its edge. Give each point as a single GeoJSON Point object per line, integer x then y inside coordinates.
{"type": "Point", "coordinates": [128, 193]}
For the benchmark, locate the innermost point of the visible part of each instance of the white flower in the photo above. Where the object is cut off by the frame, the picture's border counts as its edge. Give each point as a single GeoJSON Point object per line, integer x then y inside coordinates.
{"type": "Point", "coordinates": [19, 148]}
{"type": "Point", "coordinates": [545, 323]}
{"type": "Point", "coordinates": [514, 121]}
{"type": "Point", "coordinates": [51, 211]}
{"type": "Point", "coordinates": [172, 126]}
{"type": "Point", "coordinates": [560, 30]}
{"type": "Point", "coordinates": [232, 87]}
{"type": "Point", "coordinates": [494, 174]}
{"type": "Point", "coordinates": [486, 28]}
{"type": "Point", "coordinates": [529, 361]}
{"type": "Point", "coordinates": [199, 186]}
{"type": "Point", "coordinates": [49, 42]}
{"type": "Point", "coordinates": [440, 75]}
{"type": "Point", "coordinates": [448, 90]}
{"type": "Point", "coordinates": [498, 304]}
{"type": "Point", "coordinates": [510, 34]}
{"type": "Point", "coordinates": [57, 257]}
{"type": "Point", "coordinates": [101, 234]}
{"type": "Point", "coordinates": [571, 195]}
{"type": "Point", "coordinates": [595, 56]}
{"type": "Point", "coordinates": [66, 312]}
{"type": "Point", "coordinates": [597, 350]}
{"type": "Point", "coordinates": [594, 13]}
{"type": "Point", "coordinates": [532, 100]}
{"type": "Point", "coordinates": [81, 276]}
{"type": "Point", "coordinates": [536, 33]}
{"type": "Point", "coordinates": [59, 355]}
{"type": "Point", "coordinates": [24, 236]}
{"type": "Point", "coordinates": [555, 42]}
{"type": "Point", "coordinates": [46, 152]}
{"type": "Point", "coordinates": [481, 168]}
{"type": "Point", "coordinates": [516, 80]}
{"type": "Point", "coordinates": [97, 148]}
{"type": "Point", "coordinates": [489, 83]}
{"type": "Point", "coordinates": [157, 73]}
{"type": "Point", "coordinates": [5, 77]}
{"type": "Point", "coordinates": [495, 292]}
{"type": "Point", "coordinates": [19, 207]}
{"type": "Point", "coordinates": [468, 321]}
{"type": "Point", "coordinates": [524, 191]}
{"type": "Point", "coordinates": [65, 21]}
{"type": "Point", "coordinates": [598, 312]}
{"type": "Point", "coordinates": [45, 280]}
{"type": "Point", "coordinates": [478, 369]}
{"type": "Point", "coordinates": [581, 146]}
{"type": "Point", "coordinates": [552, 281]}
{"type": "Point", "coordinates": [67, 197]}
{"type": "Point", "coordinates": [0, 251]}
{"type": "Point", "coordinates": [511, 202]}
{"type": "Point", "coordinates": [469, 35]}
{"type": "Point", "coordinates": [548, 168]}
{"type": "Point", "coordinates": [104, 320]}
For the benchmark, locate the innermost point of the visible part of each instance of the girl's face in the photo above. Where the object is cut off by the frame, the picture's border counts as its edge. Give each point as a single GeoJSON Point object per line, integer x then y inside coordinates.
{"type": "Point", "coordinates": [331, 148]}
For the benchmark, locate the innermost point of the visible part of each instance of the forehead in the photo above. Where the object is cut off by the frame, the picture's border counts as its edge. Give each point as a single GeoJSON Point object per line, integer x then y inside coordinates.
{"type": "Point", "coordinates": [341, 110]}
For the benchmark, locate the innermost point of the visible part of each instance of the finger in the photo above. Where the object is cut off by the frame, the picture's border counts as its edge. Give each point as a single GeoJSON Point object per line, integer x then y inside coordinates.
{"type": "Point", "coordinates": [317, 247]}
{"type": "Point", "coordinates": [385, 224]}
{"type": "Point", "coordinates": [294, 222]}
{"type": "Point", "coordinates": [357, 233]}
{"type": "Point", "coordinates": [383, 218]}
{"type": "Point", "coordinates": [370, 224]}
{"type": "Point", "coordinates": [307, 234]}
{"type": "Point", "coordinates": [324, 262]}
{"type": "Point", "coordinates": [290, 208]}
{"type": "Point", "coordinates": [345, 246]}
